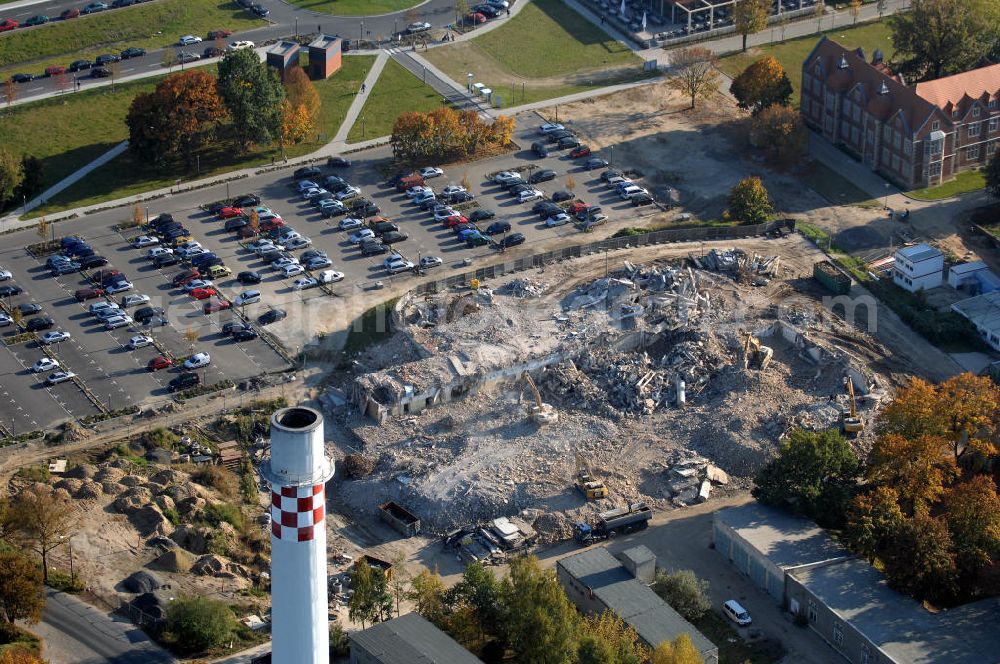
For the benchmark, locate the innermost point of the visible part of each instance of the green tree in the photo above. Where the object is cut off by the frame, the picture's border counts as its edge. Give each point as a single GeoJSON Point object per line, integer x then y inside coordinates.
{"type": "Point", "coordinates": [873, 520]}
{"type": "Point", "coordinates": [972, 510]}
{"type": "Point", "coordinates": [33, 177]}
{"type": "Point", "coordinates": [253, 94]}
{"type": "Point", "coordinates": [750, 17]}
{"type": "Point", "coordinates": [594, 650]}
{"type": "Point", "coordinates": [478, 608]}
{"type": "Point", "coordinates": [427, 593]}
{"type": "Point", "coordinates": [993, 175]}
{"type": "Point", "coordinates": [22, 593]}
{"type": "Point", "coordinates": [607, 633]}
{"type": "Point", "coordinates": [371, 601]}
{"type": "Point", "coordinates": [11, 175]}
{"type": "Point", "coordinates": [43, 521]}
{"type": "Point", "coordinates": [939, 37]}
{"type": "Point", "coordinates": [762, 84]}
{"type": "Point", "coordinates": [814, 474]}
{"type": "Point", "coordinates": [920, 561]}
{"type": "Point", "coordinates": [195, 624]}
{"type": "Point", "coordinates": [749, 202]}
{"type": "Point", "coordinates": [685, 592]}
{"type": "Point", "coordinates": [542, 623]}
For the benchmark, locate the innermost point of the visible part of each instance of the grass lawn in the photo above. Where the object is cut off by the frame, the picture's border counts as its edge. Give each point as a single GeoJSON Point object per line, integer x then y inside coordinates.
{"type": "Point", "coordinates": [125, 177]}
{"type": "Point", "coordinates": [963, 183]}
{"type": "Point", "coordinates": [356, 7]}
{"type": "Point", "coordinates": [732, 648]}
{"type": "Point", "coordinates": [395, 92]}
{"type": "Point", "coordinates": [834, 187]}
{"type": "Point", "coordinates": [152, 25]}
{"type": "Point", "coordinates": [793, 52]}
{"type": "Point", "coordinates": [547, 50]}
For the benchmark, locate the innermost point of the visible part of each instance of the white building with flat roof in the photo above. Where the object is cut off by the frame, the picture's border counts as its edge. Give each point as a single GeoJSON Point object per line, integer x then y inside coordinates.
{"type": "Point", "coordinates": [918, 267]}
{"type": "Point", "coordinates": [983, 311]}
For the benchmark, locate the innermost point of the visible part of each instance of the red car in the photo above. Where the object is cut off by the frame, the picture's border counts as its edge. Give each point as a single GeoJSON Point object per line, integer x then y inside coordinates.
{"type": "Point", "coordinates": [451, 222]}
{"type": "Point", "coordinates": [54, 70]}
{"type": "Point", "coordinates": [186, 277]}
{"type": "Point", "coordinates": [219, 34]}
{"type": "Point", "coordinates": [69, 13]}
{"type": "Point", "coordinates": [84, 294]}
{"type": "Point", "coordinates": [159, 362]}
{"type": "Point", "coordinates": [8, 24]}
{"type": "Point", "coordinates": [577, 207]}
{"type": "Point", "coordinates": [272, 224]}
{"type": "Point", "coordinates": [204, 293]}
{"type": "Point", "coordinates": [582, 151]}
{"type": "Point", "coordinates": [212, 306]}
{"type": "Point", "coordinates": [227, 212]}
{"type": "Point", "coordinates": [475, 17]}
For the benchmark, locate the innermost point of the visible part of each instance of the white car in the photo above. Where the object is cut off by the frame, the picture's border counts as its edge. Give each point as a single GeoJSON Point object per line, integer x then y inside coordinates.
{"type": "Point", "coordinates": [139, 341]}
{"type": "Point", "coordinates": [393, 257]}
{"type": "Point", "coordinates": [303, 185]}
{"type": "Point", "coordinates": [303, 283]}
{"type": "Point", "coordinates": [312, 191]}
{"type": "Point", "coordinates": [237, 45]}
{"type": "Point", "coordinates": [187, 40]}
{"type": "Point", "coordinates": [559, 219]}
{"type": "Point", "coordinates": [190, 249]}
{"type": "Point", "coordinates": [506, 176]}
{"type": "Point", "coordinates": [44, 364]}
{"type": "Point", "coordinates": [443, 213]}
{"type": "Point", "coordinates": [529, 195]}
{"type": "Point", "coordinates": [247, 297]}
{"type": "Point", "coordinates": [5, 320]}
{"type": "Point", "coordinates": [550, 127]}
{"type": "Point", "coordinates": [198, 283]}
{"type": "Point", "coordinates": [60, 377]}
{"type": "Point", "coordinates": [118, 287]}
{"type": "Point", "coordinates": [54, 337]}
{"type": "Point", "coordinates": [452, 189]}
{"type": "Point", "coordinates": [145, 241]}
{"type": "Point", "coordinates": [349, 192]}
{"type": "Point", "coordinates": [156, 252]}
{"type": "Point", "coordinates": [282, 263]}
{"type": "Point", "coordinates": [629, 192]}
{"type": "Point", "coordinates": [293, 270]}
{"type": "Point", "coordinates": [98, 307]}
{"type": "Point", "coordinates": [430, 261]}
{"type": "Point", "coordinates": [330, 276]}
{"type": "Point", "coordinates": [262, 243]}
{"type": "Point", "coordinates": [413, 192]}
{"type": "Point", "coordinates": [197, 361]}
{"type": "Point", "coordinates": [399, 266]}
{"type": "Point", "coordinates": [298, 243]}
{"type": "Point", "coordinates": [5, 275]}
{"type": "Point", "coordinates": [116, 322]}
{"type": "Point", "coordinates": [420, 199]}
{"type": "Point", "coordinates": [431, 172]}
{"type": "Point", "coordinates": [362, 234]}
{"type": "Point", "coordinates": [134, 299]}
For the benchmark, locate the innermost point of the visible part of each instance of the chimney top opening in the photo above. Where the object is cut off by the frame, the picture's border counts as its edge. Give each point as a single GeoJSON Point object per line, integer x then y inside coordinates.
{"type": "Point", "coordinates": [296, 418]}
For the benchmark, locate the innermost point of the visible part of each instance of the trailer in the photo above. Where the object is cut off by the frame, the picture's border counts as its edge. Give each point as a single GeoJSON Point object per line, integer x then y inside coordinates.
{"type": "Point", "coordinates": [399, 518]}
{"type": "Point", "coordinates": [614, 522]}
{"type": "Point", "coordinates": [832, 277]}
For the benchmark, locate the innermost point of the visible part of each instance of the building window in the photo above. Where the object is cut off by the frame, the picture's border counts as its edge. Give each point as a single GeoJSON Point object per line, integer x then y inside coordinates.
{"type": "Point", "coordinates": [812, 611]}
{"type": "Point", "coordinates": [974, 129]}
{"type": "Point", "coordinates": [897, 140]}
{"type": "Point", "coordinates": [993, 123]}
{"type": "Point", "coordinates": [886, 133]}
{"type": "Point", "coordinates": [972, 153]}
{"type": "Point", "coordinates": [838, 633]}
{"type": "Point", "coordinates": [936, 147]}
{"type": "Point", "coordinates": [866, 654]}
{"type": "Point", "coordinates": [935, 126]}
{"type": "Point", "coordinates": [954, 112]}
{"type": "Point", "coordinates": [991, 147]}
{"type": "Point", "coordinates": [895, 163]}
{"type": "Point", "coordinates": [855, 135]}
{"type": "Point", "coordinates": [908, 147]}
{"type": "Point", "coordinates": [830, 99]}
{"type": "Point", "coordinates": [975, 111]}
{"type": "Point", "coordinates": [935, 168]}
{"type": "Point", "coordinates": [993, 103]}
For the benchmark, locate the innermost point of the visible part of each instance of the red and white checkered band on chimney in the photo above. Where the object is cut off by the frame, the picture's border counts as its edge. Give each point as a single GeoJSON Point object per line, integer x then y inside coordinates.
{"type": "Point", "coordinates": [297, 511]}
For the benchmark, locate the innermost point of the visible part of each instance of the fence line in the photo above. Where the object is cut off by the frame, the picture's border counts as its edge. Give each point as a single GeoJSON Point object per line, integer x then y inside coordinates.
{"type": "Point", "coordinates": [703, 234]}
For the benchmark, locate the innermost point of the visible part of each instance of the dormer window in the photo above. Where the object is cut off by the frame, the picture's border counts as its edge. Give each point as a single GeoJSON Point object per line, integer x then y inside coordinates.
{"type": "Point", "coordinates": [843, 62]}
{"type": "Point", "coordinates": [935, 126]}
{"type": "Point", "coordinates": [993, 103]}
{"type": "Point", "coordinates": [883, 89]}
{"type": "Point", "coordinates": [975, 111]}
{"type": "Point", "coordinates": [954, 112]}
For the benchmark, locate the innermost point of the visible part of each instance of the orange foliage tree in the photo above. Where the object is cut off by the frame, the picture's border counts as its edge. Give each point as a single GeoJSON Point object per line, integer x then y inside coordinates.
{"type": "Point", "coordinates": [19, 656]}
{"type": "Point", "coordinates": [778, 130]}
{"type": "Point", "coordinates": [762, 84]}
{"type": "Point", "coordinates": [446, 133]}
{"type": "Point", "coordinates": [300, 110]}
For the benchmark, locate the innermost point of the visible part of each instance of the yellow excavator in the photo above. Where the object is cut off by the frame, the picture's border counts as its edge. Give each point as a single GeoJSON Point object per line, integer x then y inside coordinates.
{"type": "Point", "coordinates": [850, 421]}
{"type": "Point", "coordinates": [591, 487]}
{"type": "Point", "coordinates": [755, 354]}
{"type": "Point", "coordinates": [540, 413]}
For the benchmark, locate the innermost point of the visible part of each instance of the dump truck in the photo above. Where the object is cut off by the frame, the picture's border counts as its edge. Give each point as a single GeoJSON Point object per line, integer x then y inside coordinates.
{"type": "Point", "coordinates": [832, 277]}
{"type": "Point", "coordinates": [399, 518]}
{"type": "Point", "coordinates": [614, 522]}
{"type": "Point", "coordinates": [586, 483]}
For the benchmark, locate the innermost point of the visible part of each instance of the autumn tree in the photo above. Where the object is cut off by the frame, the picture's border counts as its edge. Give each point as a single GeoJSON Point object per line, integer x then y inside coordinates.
{"type": "Point", "coordinates": [370, 601]}
{"type": "Point", "coordinates": [10, 91]}
{"type": "Point", "coordinates": [855, 10]}
{"type": "Point", "coordinates": [814, 474]}
{"type": "Point", "coordinates": [916, 467]}
{"type": "Point", "coordinates": [43, 520]}
{"type": "Point", "coordinates": [693, 73]}
{"type": "Point", "coordinates": [300, 110]}
{"type": "Point", "coordinates": [42, 228]}
{"type": "Point", "coordinates": [177, 119]}
{"type": "Point", "coordinates": [750, 17]}
{"type": "Point", "coordinates": [444, 133]}
{"type": "Point", "coordinates": [15, 655]}
{"type": "Point", "coordinates": [749, 201]}
{"type": "Point", "coordinates": [762, 84]}
{"type": "Point", "coordinates": [680, 651]}
{"type": "Point", "coordinates": [541, 621]}
{"type": "Point", "coordinates": [939, 37]}
{"type": "Point", "coordinates": [22, 594]}
{"type": "Point", "coordinates": [427, 594]}
{"type": "Point", "coordinates": [11, 175]}
{"type": "Point", "coordinates": [685, 592]}
{"type": "Point", "coordinates": [780, 133]}
{"type": "Point", "coordinates": [920, 561]}
{"type": "Point", "coordinates": [873, 520]}
{"type": "Point", "coordinates": [972, 511]}
{"type": "Point", "coordinates": [607, 639]}
{"type": "Point", "coordinates": [253, 94]}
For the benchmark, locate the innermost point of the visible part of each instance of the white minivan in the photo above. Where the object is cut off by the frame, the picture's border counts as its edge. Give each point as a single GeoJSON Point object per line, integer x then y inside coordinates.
{"type": "Point", "coordinates": [736, 612]}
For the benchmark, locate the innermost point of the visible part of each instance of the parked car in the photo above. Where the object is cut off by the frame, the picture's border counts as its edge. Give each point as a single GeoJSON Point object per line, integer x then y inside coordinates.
{"type": "Point", "coordinates": [568, 142]}
{"type": "Point", "coordinates": [188, 40]}
{"type": "Point", "coordinates": [94, 7]}
{"type": "Point", "coordinates": [260, 10]}
{"type": "Point", "coordinates": [80, 65]}
{"type": "Point", "coordinates": [540, 150]}
{"type": "Point", "coordinates": [330, 276]}
{"type": "Point", "coordinates": [595, 162]}
{"type": "Point", "coordinates": [213, 306]}
{"type": "Point", "coordinates": [184, 381]}
{"type": "Point", "coordinates": [134, 300]}
{"type": "Point", "coordinates": [100, 72]}
{"type": "Point", "coordinates": [84, 294]}
{"type": "Point", "coordinates": [498, 227]}
{"type": "Point", "coordinates": [219, 34]}
{"type": "Point", "coordinates": [44, 364]}
{"type": "Point", "coordinates": [144, 314]}
{"type": "Point", "coordinates": [430, 261]}
{"type": "Point", "coordinates": [55, 70]}
{"type": "Point", "coordinates": [550, 127]}
{"type": "Point", "coordinates": [139, 341]}
{"type": "Point", "coordinates": [69, 13]}
{"type": "Point", "coordinates": [245, 334]}
{"type": "Point", "coordinates": [240, 45]}
{"type": "Point", "coordinates": [338, 162]}
{"type": "Point", "coordinates": [543, 175]}
{"type": "Point", "coordinates": [54, 337]}
{"type": "Point", "coordinates": [560, 196]}
{"type": "Point", "coordinates": [641, 198]}
{"type": "Point", "coordinates": [133, 52]}
{"type": "Point", "coordinates": [39, 324]}
{"type": "Point", "coordinates": [60, 377]}
{"type": "Point", "coordinates": [248, 277]}
{"type": "Point", "coordinates": [272, 316]}
{"type": "Point", "coordinates": [414, 28]}
{"type": "Point", "coordinates": [580, 151]}
{"type": "Point", "coordinates": [159, 362]}
{"type": "Point", "coordinates": [107, 59]}
{"type": "Point", "coordinates": [735, 612]}
{"type": "Point", "coordinates": [512, 240]}
{"type": "Point", "coordinates": [37, 19]}
{"type": "Point", "coordinates": [197, 361]}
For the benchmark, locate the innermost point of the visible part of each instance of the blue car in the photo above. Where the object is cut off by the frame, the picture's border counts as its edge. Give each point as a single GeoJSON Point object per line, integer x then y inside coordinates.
{"type": "Point", "coordinates": [93, 8]}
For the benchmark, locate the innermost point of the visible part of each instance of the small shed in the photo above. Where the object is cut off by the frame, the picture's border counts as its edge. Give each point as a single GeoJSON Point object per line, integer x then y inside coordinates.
{"type": "Point", "coordinates": [640, 563]}
{"type": "Point", "coordinates": [964, 272]}
{"type": "Point", "coordinates": [324, 56]}
{"type": "Point", "coordinates": [283, 56]}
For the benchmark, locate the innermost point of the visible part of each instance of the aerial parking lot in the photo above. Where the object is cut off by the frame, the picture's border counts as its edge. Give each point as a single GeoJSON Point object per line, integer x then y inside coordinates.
{"type": "Point", "coordinates": [211, 276]}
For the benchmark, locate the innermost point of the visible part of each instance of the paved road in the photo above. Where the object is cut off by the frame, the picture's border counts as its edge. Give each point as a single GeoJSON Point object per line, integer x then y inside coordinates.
{"type": "Point", "coordinates": [77, 633]}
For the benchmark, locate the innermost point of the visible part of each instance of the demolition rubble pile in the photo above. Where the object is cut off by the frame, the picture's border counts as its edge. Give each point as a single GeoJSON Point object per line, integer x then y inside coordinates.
{"type": "Point", "coordinates": [739, 263]}
{"type": "Point", "coordinates": [523, 288]}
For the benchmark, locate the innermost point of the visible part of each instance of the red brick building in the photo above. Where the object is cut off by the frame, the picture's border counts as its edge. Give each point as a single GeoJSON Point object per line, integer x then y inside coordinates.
{"type": "Point", "coordinates": [917, 135]}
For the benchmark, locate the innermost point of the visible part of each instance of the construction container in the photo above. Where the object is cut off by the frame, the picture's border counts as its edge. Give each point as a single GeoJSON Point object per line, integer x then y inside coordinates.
{"type": "Point", "coordinates": [399, 518]}
{"type": "Point", "coordinates": [832, 277]}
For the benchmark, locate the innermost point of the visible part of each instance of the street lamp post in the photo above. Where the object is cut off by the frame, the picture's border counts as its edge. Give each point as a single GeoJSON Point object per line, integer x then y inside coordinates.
{"type": "Point", "coordinates": [470, 76]}
{"type": "Point", "coordinates": [886, 204]}
{"type": "Point", "coordinates": [296, 26]}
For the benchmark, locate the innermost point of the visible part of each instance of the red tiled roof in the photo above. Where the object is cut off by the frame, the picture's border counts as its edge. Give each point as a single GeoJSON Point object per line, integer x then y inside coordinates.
{"type": "Point", "coordinates": [952, 89]}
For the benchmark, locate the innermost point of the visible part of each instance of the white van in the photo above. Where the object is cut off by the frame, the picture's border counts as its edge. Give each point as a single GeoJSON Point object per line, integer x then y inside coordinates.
{"type": "Point", "coordinates": [736, 612]}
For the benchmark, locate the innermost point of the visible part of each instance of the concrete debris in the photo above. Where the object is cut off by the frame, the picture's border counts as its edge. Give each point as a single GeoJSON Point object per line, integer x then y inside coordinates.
{"type": "Point", "coordinates": [738, 262]}
{"type": "Point", "coordinates": [523, 288]}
